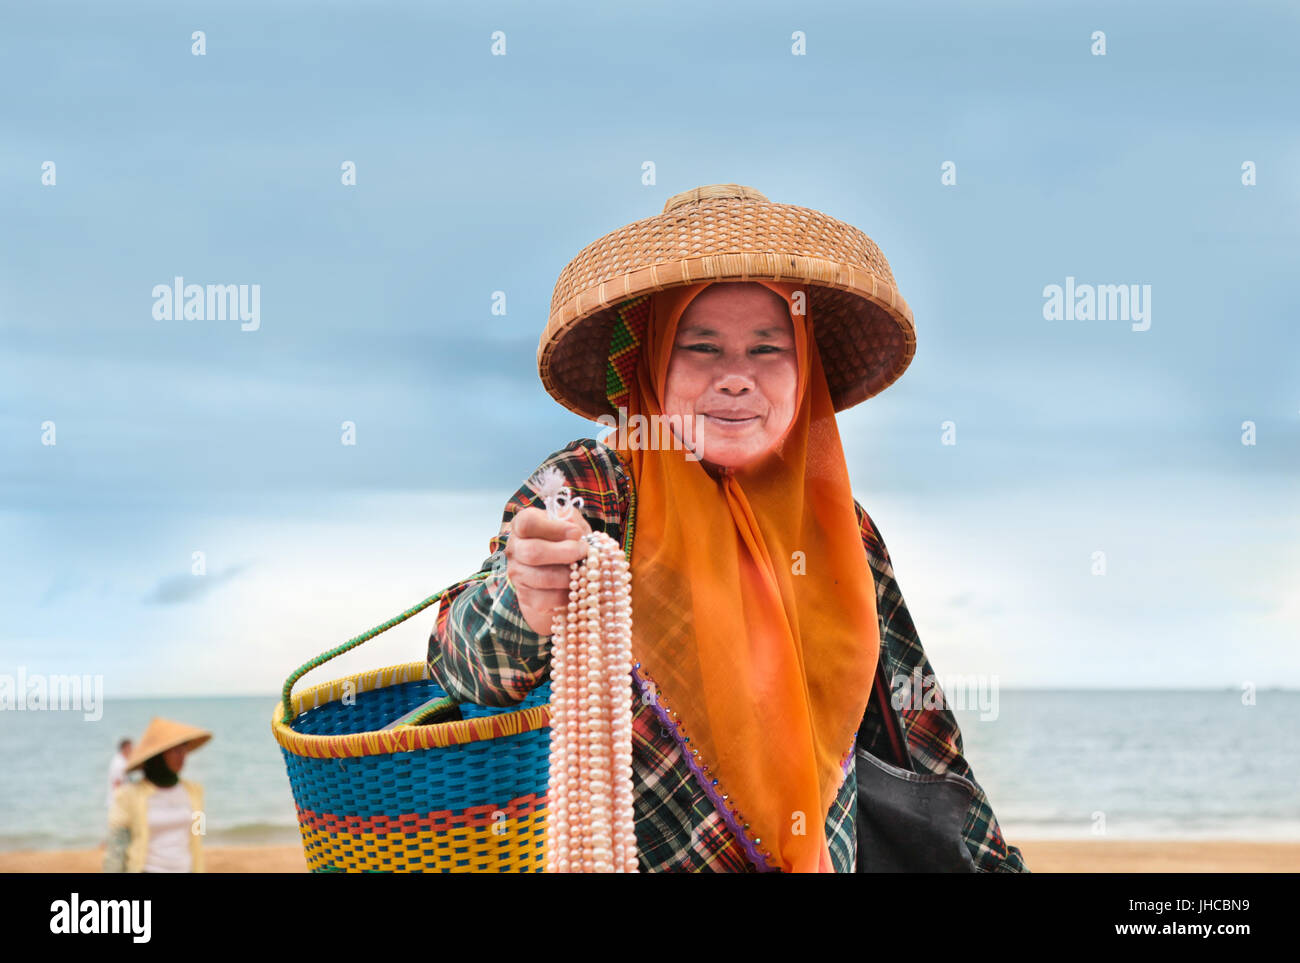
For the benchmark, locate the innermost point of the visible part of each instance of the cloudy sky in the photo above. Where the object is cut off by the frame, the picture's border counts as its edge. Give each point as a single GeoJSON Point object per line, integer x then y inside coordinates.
{"type": "Point", "coordinates": [480, 173]}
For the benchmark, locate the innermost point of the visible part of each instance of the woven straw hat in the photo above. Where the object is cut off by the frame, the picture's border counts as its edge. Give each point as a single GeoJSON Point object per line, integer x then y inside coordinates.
{"type": "Point", "coordinates": [163, 734]}
{"type": "Point", "coordinates": [724, 232]}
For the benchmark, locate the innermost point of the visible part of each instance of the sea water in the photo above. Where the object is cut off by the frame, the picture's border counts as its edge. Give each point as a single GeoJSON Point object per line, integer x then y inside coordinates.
{"type": "Point", "coordinates": [1121, 764]}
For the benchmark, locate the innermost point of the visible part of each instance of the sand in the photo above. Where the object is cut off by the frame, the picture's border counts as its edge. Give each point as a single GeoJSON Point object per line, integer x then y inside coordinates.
{"type": "Point", "coordinates": [220, 859]}
{"type": "Point", "coordinates": [1042, 856]}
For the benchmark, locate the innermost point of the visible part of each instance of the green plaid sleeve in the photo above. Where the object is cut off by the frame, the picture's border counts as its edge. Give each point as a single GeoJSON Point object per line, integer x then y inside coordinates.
{"type": "Point", "coordinates": [482, 649]}
{"type": "Point", "coordinates": [933, 736]}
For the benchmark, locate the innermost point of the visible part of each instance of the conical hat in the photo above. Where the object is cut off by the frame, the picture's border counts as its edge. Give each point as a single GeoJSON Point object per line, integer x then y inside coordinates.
{"type": "Point", "coordinates": [163, 734]}
{"type": "Point", "coordinates": [724, 232]}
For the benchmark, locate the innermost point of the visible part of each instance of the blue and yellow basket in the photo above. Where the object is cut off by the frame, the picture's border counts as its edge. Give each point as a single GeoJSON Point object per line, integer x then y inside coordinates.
{"type": "Point", "coordinates": [462, 796]}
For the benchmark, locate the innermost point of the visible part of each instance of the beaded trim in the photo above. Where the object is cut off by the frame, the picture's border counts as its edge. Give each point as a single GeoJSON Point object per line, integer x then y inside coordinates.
{"type": "Point", "coordinates": [720, 800]}
{"type": "Point", "coordinates": [848, 757]}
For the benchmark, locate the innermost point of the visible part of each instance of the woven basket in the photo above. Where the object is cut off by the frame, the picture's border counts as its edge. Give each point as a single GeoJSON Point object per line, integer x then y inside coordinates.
{"type": "Point", "coordinates": [455, 797]}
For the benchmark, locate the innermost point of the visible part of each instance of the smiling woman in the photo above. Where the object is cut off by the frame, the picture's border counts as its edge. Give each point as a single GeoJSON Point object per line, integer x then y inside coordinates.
{"type": "Point", "coordinates": [733, 373]}
{"type": "Point", "coordinates": [765, 610]}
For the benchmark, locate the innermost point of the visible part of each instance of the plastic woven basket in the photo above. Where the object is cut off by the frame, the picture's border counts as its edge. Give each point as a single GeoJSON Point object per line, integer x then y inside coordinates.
{"type": "Point", "coordinates": [461, 796]}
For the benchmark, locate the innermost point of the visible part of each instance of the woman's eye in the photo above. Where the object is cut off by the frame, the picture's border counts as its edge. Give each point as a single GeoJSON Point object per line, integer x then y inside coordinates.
{"type": "Point", "coordinates": [710, 348]}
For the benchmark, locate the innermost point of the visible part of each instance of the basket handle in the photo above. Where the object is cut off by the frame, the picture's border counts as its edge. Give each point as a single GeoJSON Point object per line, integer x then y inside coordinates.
{"type": "Point", "coordinates": [352, 643]}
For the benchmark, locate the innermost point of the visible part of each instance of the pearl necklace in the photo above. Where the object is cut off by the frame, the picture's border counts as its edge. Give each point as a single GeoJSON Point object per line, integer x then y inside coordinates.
{"type": "Point", "coordinates": [589, 821]}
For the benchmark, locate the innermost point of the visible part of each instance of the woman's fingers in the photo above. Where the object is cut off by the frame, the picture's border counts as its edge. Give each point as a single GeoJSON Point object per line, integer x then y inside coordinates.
{"type": "Point", "coordinates": [547, 601]}
{"type": "Point", "coordinates": [576, 519]}
{"type": "Point", "coordinates": [536, 523]}
{"type": "Point", "coordinates": [535, 552]}
{"type": "Point", "coordinates": [537, 539]}
{"type": "Point", "coordinates": [541, 577]}
{"type": "Point", "coordinates": [540, 606]}
{"type": "Point", "coordinates": [539, 551]}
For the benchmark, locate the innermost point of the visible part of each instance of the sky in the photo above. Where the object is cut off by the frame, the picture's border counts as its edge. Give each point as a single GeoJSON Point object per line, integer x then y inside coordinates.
{"type": "Point", "coordinates": [478, 173]}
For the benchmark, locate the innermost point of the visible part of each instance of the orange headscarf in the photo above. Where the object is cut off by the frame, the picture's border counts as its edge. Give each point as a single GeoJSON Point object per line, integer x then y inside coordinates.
{"type": "Point", "coordinates": [754, 606]}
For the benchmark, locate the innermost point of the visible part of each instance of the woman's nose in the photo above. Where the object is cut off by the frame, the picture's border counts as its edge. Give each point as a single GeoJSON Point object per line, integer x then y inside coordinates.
{"type": "Point", "coordinates": [734, 381]}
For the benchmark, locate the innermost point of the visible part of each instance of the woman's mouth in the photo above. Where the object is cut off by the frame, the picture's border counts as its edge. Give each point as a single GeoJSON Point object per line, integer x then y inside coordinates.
{"type": "Point", "coordinates": [734, 422]}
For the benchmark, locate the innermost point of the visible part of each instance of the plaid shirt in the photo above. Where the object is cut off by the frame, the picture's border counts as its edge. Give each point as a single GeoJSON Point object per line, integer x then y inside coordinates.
{"type": "Point", "coordinates": [491, 656]}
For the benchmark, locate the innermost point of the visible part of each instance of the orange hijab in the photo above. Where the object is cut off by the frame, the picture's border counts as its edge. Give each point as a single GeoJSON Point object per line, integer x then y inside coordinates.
{"type": "Point", "coordinates": [754, 606]}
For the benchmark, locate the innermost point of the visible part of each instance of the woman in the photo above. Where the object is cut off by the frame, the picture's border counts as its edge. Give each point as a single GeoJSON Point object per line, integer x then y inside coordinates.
{"type": "Point", "coordinates": [719, 339]}
{"type": "Point", "coordinates": [154, 825]}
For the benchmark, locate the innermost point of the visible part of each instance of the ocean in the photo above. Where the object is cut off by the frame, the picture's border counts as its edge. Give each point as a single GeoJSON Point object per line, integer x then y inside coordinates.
{"type": "Point", "coordinates": [1122, 764]}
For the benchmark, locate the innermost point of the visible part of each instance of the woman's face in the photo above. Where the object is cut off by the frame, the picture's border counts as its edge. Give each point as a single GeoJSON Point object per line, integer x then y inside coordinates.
{"type": "Point", "coordinates": [175, 757]}
{"type": "Point", "coordinates": [733, 370]}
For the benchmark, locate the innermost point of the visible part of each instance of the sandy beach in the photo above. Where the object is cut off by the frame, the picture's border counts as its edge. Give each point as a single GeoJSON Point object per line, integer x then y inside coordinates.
{"type": "Point", "coordinates": [1042, 856]}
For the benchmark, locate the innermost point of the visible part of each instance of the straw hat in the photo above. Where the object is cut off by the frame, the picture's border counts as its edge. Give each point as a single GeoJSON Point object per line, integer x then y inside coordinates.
{"type": "Point", "coordinates": [724, 232]}
{"type": "Point", "coordinates": [163, 734]}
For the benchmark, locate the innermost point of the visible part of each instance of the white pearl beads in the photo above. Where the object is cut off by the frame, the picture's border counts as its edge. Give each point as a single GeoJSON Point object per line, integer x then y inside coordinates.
{"type": "Point", "coordinates": [589, 824]}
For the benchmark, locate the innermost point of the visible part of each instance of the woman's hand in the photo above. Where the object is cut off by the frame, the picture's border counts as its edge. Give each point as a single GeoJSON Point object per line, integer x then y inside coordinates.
{"type": "Point", "coordinates": [538, 554]}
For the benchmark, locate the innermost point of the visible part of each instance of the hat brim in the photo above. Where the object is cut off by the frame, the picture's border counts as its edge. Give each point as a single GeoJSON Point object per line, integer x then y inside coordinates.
{"type": "Point", "coordinates": [193, 742]}
{"type": "Point", "coordinates": [863, 327]}
{"type": "Point", "coordinates": [865, 346]}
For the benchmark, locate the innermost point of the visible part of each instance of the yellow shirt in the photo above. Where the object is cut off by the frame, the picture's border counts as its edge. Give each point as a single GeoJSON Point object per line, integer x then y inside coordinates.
{"type": "Point", "coordinates": [128, 827]}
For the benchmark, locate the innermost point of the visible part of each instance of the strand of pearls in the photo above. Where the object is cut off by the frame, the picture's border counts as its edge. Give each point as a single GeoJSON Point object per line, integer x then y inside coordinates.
{"type": "Point", "coordinates": [589, 826]}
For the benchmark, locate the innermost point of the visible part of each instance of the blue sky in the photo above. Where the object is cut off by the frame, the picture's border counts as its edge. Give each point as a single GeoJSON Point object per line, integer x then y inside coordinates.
{"type": "Point", "coordinates": [478, 173]}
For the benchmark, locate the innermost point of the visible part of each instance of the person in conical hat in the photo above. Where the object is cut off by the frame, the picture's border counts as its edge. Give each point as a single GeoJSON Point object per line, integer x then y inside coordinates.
{"type": "Point", "coordinates": [156, 825]}
{"type": "Point", "coordinates": [716, 342]}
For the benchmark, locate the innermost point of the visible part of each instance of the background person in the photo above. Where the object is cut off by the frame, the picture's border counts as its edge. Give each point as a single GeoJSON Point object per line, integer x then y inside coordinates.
{"type": "Point", "coordinates": [151, 822]}
{"type": "Point", "coordinates": [117, 769]}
